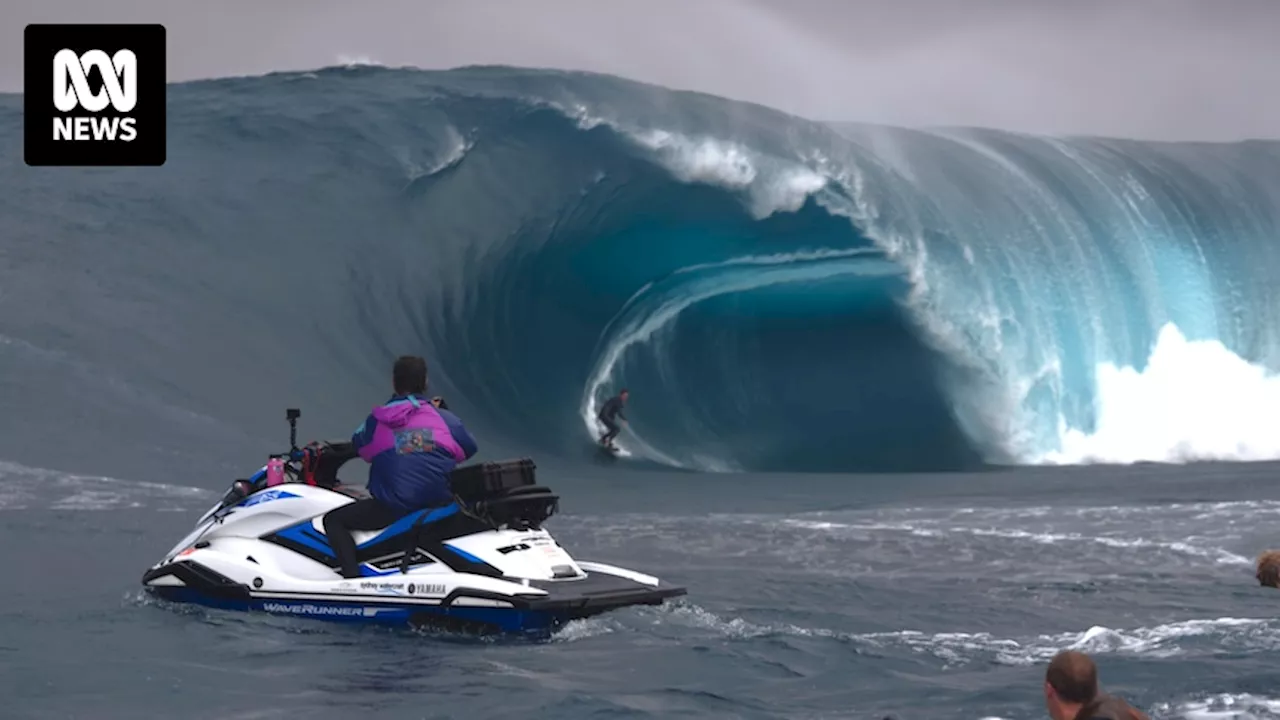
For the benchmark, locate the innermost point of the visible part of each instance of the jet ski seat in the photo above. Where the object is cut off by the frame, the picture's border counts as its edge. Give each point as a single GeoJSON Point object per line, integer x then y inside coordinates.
{"type": "Point", "coordinates": [489, 495]}
{"type": "Point", "coordinates": [486, 496]}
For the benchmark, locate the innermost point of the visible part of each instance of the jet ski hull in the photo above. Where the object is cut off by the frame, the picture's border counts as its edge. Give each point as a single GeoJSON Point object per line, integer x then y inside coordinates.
{"type": "Point", "coordinates": [403, 599]}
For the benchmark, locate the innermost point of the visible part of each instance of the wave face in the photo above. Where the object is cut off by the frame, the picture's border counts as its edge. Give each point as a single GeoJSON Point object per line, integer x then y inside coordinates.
{"type": "Point", "coordinates": [777, 293]}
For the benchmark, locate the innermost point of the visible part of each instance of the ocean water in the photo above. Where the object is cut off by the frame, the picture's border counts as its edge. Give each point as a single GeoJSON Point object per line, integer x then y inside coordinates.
{"type": "Point", "coordinates": [886, 387]}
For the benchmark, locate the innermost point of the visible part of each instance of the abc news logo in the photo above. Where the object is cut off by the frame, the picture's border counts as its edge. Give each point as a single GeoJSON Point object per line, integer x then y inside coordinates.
{"type": "Point", "coordinates": [105, 102]}
{"type": "Point", "coordinates": [71, 90]}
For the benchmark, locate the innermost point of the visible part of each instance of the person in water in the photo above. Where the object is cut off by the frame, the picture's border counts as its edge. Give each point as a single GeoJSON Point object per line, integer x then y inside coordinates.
{"type": "Point", "coordinates": [411, 446]}
{"type": "Point", "coordinates": [608, 415]}
{"type": "Point", "coordinates": [1268, 569]}
{"type": "Point", "coordinates": [1071, 691]}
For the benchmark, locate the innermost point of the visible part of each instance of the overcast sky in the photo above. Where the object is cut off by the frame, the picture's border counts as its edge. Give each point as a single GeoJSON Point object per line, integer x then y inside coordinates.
{"type": "Point", "coordinates": [1160, 69]}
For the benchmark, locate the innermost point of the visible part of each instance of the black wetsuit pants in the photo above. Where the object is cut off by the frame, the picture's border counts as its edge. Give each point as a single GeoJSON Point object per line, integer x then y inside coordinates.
{"type": "Point", "coordinates": [368, 514]}
{"type": "Point", "coordinates": [611, 430]}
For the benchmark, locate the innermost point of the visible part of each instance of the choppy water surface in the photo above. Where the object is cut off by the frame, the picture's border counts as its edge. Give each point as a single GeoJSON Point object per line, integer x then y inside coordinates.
{"type": "Point", "coordinates": [810, 597]}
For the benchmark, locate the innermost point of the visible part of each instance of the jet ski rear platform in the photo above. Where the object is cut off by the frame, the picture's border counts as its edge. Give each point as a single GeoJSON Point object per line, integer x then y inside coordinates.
{"type": "Point", "coordinates": [484, 563]}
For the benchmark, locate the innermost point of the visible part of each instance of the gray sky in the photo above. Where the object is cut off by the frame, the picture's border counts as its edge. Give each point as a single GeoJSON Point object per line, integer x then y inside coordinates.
{"type": "Point", "coordinates": [1159, 69]}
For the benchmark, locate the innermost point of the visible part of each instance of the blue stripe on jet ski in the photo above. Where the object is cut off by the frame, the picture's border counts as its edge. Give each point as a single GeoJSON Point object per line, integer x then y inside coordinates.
{"type": "Point", "coordinates": [466, 555]}
{"type": "Point", "coordinates": [406, 522]}
{"type": "Point", "coordinates": [304, 534]}
{"type": "Point", "coordinates": [316, 535]}
{"type": "Point", "coordinates": [264, 497]}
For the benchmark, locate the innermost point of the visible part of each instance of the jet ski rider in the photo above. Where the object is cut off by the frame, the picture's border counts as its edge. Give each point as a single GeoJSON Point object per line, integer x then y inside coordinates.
{"type": "Point", "coordinates": [411, 446]}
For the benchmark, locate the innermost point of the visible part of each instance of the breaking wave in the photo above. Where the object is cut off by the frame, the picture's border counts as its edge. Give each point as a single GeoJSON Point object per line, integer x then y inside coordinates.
{"type": "Point", "coordinates": [777, 293]}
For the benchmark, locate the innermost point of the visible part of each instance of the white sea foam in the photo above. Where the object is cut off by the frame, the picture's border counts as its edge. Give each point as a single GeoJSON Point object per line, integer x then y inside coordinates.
{"type": "Point", "coordinates": [1222, 706]}
{"type": "Point", "coordinates": [960, 647]}
{"type": "Point", "coordinates": [1024, 545]}
{"type": "Point", "coordinates": [1215, 554]}
{"type": "Point", "coordinates": [1194, 400]}
{"type": "Point", "coordinates": [359, 60]}
{"type": "Point", "coordinates": [23, 487]}
{"type": "Point", "coordinates": [771, 184]}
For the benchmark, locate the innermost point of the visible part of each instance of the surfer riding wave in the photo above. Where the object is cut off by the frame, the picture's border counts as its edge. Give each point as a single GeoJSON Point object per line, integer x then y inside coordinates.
{"type": "Point", "coordinates": [609, 415]}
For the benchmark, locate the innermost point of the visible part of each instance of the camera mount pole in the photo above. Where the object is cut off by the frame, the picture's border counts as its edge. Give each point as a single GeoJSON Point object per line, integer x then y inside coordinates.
{"type": "Point", "coordinates": [292, 415]}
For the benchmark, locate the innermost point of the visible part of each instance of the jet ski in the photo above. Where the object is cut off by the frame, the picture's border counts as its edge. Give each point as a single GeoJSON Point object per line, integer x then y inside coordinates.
{"type": "Point", "coordinates": [483, 563]}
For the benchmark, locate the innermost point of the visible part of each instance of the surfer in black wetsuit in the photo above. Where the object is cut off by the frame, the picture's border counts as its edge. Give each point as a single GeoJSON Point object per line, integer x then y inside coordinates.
{"type": "Point", "coordinates": [609, 412]}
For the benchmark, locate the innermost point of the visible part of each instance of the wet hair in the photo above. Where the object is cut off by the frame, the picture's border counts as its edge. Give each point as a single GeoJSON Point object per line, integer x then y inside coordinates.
{"type": "Point", "coordinates": [1073, 676]}
{"type": "Point", "coordinates": [623, 391]}
{"type": "Point", "coordinates": [1268, 570]}
{"type": "Point", "coordinates": [409, 375]}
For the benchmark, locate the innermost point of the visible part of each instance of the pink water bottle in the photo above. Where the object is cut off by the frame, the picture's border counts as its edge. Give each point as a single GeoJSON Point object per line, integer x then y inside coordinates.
{"type": "Point", "coordinates": [275, 472]}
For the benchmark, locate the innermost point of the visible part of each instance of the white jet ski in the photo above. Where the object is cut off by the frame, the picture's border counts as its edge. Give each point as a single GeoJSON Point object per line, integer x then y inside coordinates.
{"type": "Point", "coordinates": [484, 563]}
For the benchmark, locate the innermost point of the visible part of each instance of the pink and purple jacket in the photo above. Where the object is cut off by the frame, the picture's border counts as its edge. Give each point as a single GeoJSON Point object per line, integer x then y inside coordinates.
{"type": "Point", "coordinates": [411, 447]}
